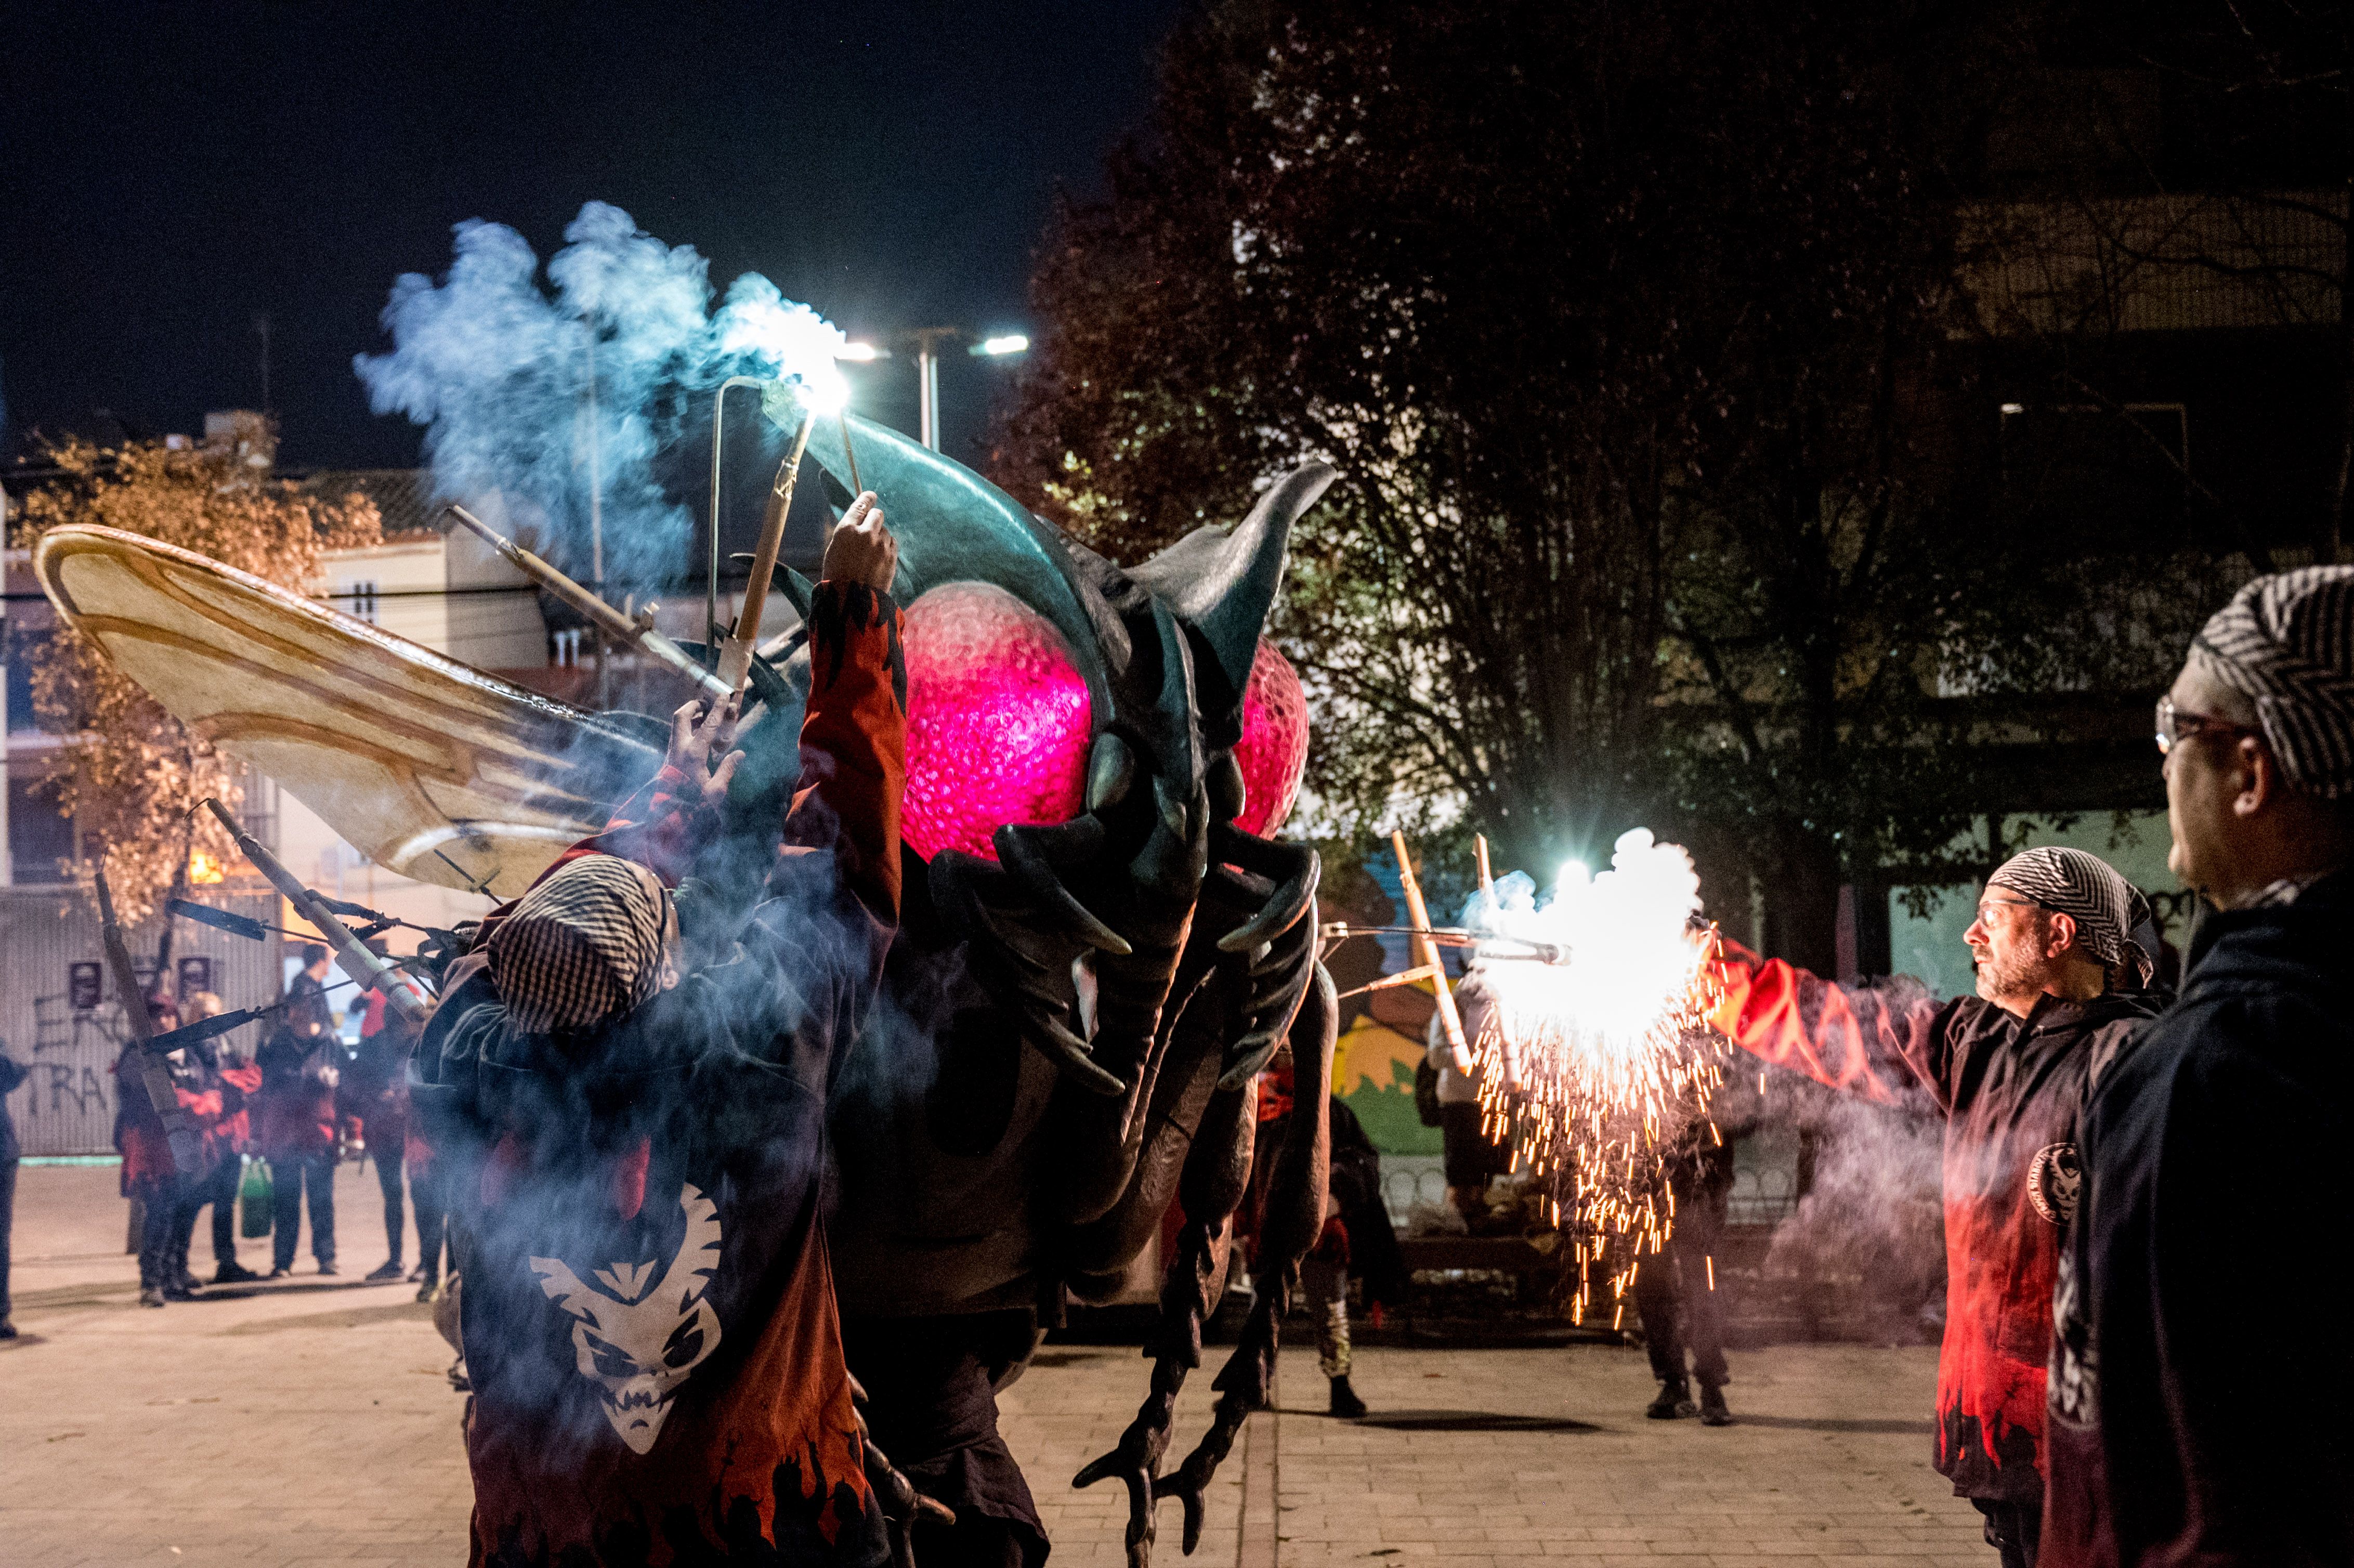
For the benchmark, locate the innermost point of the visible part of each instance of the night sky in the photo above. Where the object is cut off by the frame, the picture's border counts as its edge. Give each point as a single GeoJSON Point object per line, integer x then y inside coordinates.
{"type": "Point", "coordinates": [168, 172]}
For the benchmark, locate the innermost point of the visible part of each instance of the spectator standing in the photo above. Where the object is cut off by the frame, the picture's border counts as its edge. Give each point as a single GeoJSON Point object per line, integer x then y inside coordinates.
{"type": "Point", "coordinates": [150, 1178]}
{"type": "Point", "coordinates": [2218, 1146]}
{"type": "Point", "coordinates": [1675, 1291]}
{"type": "Point", "coordinates": [424, 1194]}
{"type": "Point", "coordinates": [375, 1095]}
{"type": "Point", "coordinates": [10, 1075]}
{"type": "Point", "coordinates": [299, 1069]}
{"type": "Point", "coordinates": [1356, 1242]}
{"type": "Point", "coordinates": [225, 1145]}
{"type": "Point", "coordinates": [1471, 1159]}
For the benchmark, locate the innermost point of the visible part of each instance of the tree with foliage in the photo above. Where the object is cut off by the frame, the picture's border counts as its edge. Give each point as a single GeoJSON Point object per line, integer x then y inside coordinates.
{"type": "Point", "coordinates": [128, 773]}
{"type": "Point", "coordinates": [1621, 328]}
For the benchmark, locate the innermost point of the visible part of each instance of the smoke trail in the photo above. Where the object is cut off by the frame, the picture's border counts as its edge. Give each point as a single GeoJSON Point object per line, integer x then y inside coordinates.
{"type": "Point", "coordinates": [504, 375]}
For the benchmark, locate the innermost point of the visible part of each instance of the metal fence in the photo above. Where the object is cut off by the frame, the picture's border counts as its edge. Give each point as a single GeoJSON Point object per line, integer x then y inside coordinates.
{"type": "Point", "coordinates": [58, 1014]}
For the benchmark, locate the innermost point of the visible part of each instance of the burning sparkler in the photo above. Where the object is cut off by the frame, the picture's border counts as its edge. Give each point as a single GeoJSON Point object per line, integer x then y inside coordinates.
{"type": "Point", "coordinates": [1595, 1064]}
{"type": "Point", "coordinates": [1589, 1037]}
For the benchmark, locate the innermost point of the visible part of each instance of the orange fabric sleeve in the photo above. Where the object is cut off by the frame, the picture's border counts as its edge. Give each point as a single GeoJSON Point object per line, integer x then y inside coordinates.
{"type": "Point", "coordinates": [1795, 1019]}
{"type": "Point", "coordinates": [854, 742]}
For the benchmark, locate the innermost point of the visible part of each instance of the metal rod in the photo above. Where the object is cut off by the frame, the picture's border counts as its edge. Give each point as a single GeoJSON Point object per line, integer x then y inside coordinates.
{"type": "Point", "coordinates": [1449, 937]}
{"type": "Point", "coordinates": [635, 633]}
{"type": "Point", "coordinates": [718, 438]}
{"type": "Point", "coordinates": [735, 653]}
{"type": "Point", "coordinates": [400, 992]}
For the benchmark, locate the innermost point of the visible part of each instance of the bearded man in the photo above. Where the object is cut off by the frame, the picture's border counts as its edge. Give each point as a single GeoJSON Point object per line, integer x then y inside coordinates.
{"type": "Point", "coordinates": [2215, 1168]}
{"type": "Point", "coordinates": [2057, 974]}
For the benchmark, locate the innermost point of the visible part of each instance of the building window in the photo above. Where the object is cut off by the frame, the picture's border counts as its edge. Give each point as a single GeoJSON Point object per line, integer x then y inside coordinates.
{"type": "Point", "coordinates": [564, 648]}
{"type": "Point", "coordinates": [359, 599]}
{"type": "Point", "coordinates": [24, 647]}
{"type": "Point", "coordinates": [40, 841]}
{"type": "Point", "coordinates": [2099, 478]}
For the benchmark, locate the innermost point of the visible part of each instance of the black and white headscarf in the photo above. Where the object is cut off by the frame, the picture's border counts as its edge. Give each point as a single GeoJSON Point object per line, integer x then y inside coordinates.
{"type": "Point", "coordinates": [583, 948]}
{"type": "Point", "coordinates": [2086, 888]}
{"type": "Point", "coordinates": [2287, 642]}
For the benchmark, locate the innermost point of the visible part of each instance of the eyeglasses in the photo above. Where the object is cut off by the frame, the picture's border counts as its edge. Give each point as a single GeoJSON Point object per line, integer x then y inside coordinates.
{"type": "Point", "coordinates": [2173, 725]}
{"type": "Point", "coordinates": [1986, 907]}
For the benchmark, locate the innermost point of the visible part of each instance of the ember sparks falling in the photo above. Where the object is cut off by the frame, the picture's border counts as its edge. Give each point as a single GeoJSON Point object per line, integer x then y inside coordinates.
{"type": "Point", "coordinates": [1593, 1054]}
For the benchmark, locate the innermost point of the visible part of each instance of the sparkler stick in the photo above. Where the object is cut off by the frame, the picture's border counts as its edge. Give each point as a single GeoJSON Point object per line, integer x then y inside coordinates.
{"type": "Point", "coordinates": [1450, 1020]}
{"type": "Point", "coordinates": [848, 452]}
{"type": "Point", "coordinates": [629, 632]}
{"type": "Point", "coordinates": [1451, 936]}
{"type": "Point", "coordinates": [735, 653]}
{"type": "Point", "coordinates": [400, 993]}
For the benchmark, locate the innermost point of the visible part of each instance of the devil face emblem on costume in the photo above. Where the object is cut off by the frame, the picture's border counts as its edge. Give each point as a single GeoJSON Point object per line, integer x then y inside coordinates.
{"type": "Point", "coordinates": [639, 1336]}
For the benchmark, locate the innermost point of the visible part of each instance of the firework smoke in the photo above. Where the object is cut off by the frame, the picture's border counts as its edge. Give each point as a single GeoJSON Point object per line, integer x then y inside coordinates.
{"type": "Point", "coordinates": [1598, 1062]}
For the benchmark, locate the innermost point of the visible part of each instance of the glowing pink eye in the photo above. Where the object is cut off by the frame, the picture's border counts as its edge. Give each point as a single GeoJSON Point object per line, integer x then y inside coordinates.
{"type": "Point", "coordinates": [1273, 751]}
{"type": "Point", "coordinates": [998, 720]}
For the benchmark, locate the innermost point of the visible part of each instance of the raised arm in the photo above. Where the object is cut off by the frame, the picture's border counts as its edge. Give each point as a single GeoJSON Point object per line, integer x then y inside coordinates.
{"type": "Point", "coordinates": [668, 820]}
{"type": "Point", "coordinates": [855, 728]}
{"type": "Point", "coordinates": [1874, 1044]}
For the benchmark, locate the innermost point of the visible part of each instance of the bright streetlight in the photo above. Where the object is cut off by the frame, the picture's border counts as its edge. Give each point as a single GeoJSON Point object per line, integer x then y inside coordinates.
{"type": "Point", "coordinates": [927, 340]}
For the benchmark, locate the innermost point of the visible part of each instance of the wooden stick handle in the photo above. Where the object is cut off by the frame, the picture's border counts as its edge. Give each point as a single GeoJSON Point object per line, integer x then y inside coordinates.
{"type": "Point", "coordinates": [1426, 951]}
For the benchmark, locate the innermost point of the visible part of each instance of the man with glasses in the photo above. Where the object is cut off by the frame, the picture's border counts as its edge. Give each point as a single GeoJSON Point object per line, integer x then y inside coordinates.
{"type": "Point", "coordinates": [2201, 1368]}
{"type": "Point", "coordinates": [2060, 980]}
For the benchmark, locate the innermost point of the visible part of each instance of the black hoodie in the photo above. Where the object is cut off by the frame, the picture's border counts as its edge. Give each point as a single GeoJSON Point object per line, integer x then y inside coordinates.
{"type": "Point", "coordinates": [2202, 1365]}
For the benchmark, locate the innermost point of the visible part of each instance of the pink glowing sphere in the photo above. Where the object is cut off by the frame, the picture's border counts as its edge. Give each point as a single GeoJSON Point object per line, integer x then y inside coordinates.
{"type": "Point", "coordinates": [997, 720]}
{"type": "Point", "coordinates": [999, 725]}
{"type": "Point", "coordinates": [1273, 751]}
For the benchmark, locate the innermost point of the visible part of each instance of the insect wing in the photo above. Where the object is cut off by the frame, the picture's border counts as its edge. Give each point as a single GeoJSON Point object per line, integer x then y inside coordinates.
{"type": "Point", "coordinates": [431, 768]}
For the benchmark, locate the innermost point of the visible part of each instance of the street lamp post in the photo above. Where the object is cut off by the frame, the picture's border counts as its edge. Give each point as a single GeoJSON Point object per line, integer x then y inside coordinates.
{"type": "Point", "coordinates": [927, 340]}
{"type": "Point", "coordinates": [928, 380]}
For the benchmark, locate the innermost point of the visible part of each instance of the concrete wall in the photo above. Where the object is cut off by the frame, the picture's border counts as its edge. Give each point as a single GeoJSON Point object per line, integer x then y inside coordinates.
{"type": "Point", "coordinates": [66, 1106]}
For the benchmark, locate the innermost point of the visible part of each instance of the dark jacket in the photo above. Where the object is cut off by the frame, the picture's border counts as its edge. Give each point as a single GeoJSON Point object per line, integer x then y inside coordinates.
{"type": "Point", "coordinates": [2201, 1370]}
{"type": "Point", "coordinates": [1373, 1254]}
{"type": "Point", "coordinates": [296, 1106]}
{"type": "Point", "coordinates": [2010, 1090]}
{"type": "Point", "coordinates": [10, 1075]}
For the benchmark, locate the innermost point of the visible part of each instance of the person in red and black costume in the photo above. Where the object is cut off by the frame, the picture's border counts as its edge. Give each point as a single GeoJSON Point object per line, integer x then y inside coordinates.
{"type": "Point", "coordinates": [149, 1174]}
{"type": "Point", "coordinates": [301, 1063]}
{"type": "Point", "coordinates": [2059, 997]}
{"type": "Point", "coordinates": [632, 1143]}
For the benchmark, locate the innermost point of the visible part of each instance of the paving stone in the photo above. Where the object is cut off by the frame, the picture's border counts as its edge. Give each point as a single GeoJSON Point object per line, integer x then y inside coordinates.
{"type": "Point", "coordinates": [307, 1423]}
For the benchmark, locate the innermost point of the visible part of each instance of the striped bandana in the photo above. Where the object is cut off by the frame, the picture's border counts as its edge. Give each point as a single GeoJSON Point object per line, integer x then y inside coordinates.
{"type": "Point", "coordinates": [2287, 642]}
{"type": "Point", "coordinates": [2104, 906]}
{"type": "Point", "coordinates": [582, 947]}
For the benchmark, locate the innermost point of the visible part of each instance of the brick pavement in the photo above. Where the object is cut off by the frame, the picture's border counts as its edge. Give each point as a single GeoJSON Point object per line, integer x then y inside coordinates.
{"type": "Point", "coordinates": [307, 1423]}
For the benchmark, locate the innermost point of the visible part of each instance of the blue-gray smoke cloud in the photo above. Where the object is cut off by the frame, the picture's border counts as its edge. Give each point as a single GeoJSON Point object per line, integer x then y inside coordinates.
{"type": "Point", "coordinates": [504, 375]}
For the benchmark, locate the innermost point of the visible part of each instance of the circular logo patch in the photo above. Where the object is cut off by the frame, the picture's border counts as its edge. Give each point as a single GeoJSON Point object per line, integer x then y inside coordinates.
{"type": "Point", "coordinates": [2054, 1178]}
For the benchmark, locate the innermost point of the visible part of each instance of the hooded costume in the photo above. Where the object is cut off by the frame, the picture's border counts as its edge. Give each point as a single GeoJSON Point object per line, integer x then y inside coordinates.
{"type": "Point", "coordinates": [2010, 1090]}
{"type": "Point", "coordinates": [649, 1315]}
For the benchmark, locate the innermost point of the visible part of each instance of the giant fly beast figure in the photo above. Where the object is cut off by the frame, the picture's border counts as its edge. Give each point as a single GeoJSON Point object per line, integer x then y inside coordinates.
{"type": "Point", "coordinates": [1101, 947]}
